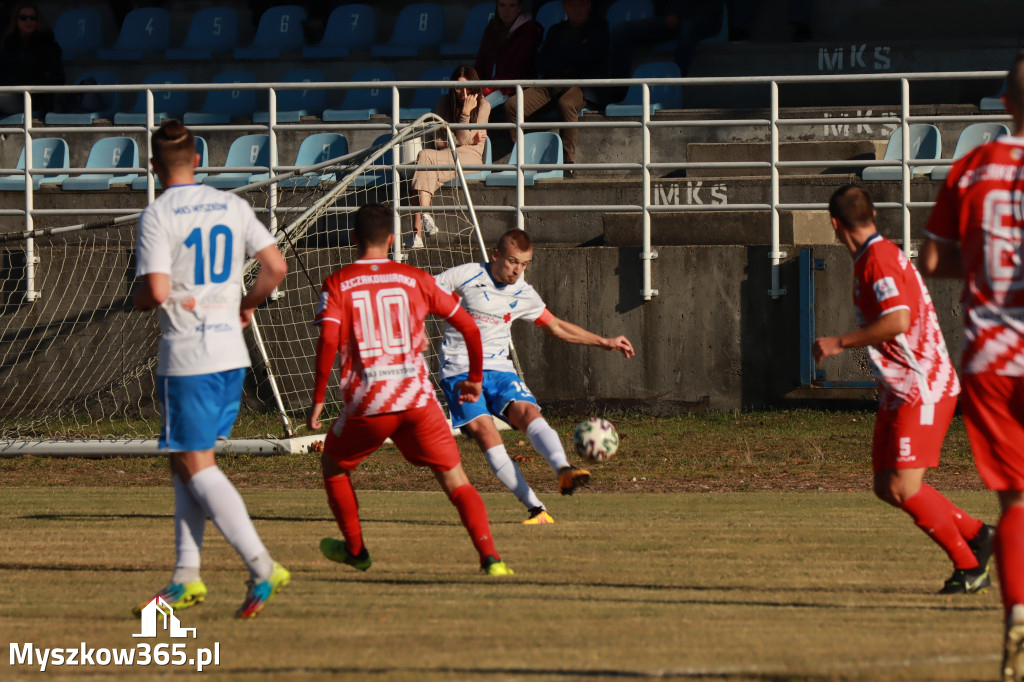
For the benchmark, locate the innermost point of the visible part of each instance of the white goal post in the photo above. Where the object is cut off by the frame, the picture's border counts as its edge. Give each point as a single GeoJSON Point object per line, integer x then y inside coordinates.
{"type": "Point", "coordinates": [77, 364]}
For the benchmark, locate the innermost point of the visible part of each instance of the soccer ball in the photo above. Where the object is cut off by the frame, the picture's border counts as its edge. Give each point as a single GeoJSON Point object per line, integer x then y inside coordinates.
{"type": "Point", "coordinates": [596, 439]}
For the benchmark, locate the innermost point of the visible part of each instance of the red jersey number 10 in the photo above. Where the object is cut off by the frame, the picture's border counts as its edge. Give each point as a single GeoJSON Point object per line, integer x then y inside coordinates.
{"type": "Point", "coordinates": [382, 324]}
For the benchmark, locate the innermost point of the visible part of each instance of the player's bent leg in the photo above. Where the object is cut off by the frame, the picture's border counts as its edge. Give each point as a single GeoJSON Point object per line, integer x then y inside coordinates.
{"type": "Point", "coordinates": [483, 431]}
{"type": "Point", "coordinates": [526, 417]}
{"type": "Point", "coordinates": [473, 514]}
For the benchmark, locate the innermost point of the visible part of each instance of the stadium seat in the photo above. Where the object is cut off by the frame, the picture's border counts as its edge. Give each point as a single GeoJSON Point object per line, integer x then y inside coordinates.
{"type": "Point", "coordinates": [89, 105]}
{"type": "Point", "coordinates": [47, 153]}
{"type": "Point", "coordinates": [549, 14]}
{"type": "Point", "coordinates": [381, 175]}
{"type": "Point", "coordinates": [317, 148]}
{"type": "Point", "coordinates": [628, 10]}
{"type": "Point", "coordinates": [145, 30]}
{"type": "Point", "coordinates": [279, 30]}
{"type": "Point", "coordinates": [294, 104]}
{"type": "Point", "coordinates": [108, 152]}
{"type": "Point", "coordinates": [167, 104]}
{"type": "Point", "coordinates": [472, 31]}
{"type": "Point", "coordinates": [972, 136]}
{"type": "Point", "coordinates": [994, 102]}
{"type": "Point", "coordinates": [78, 32]}
{"type": "Point", "coordinates": [222, 105]}
{"type": "Point", "coordinates": [925, 143]}
{"type": "Point", "coordinates": [662, 96]}
{"type": "Point", "coordinates": [360, 103]}
{"type": "Point", "coordinates": [202, 149]}
{"type": "Point", "coordinates": [248, 150]}
{"type": "Point", "coordinates": [425, 99]}
{"type": "Point", "coordinates": [212, 30]}
{"type": "Point", "coordinates": [540, 147]}
{"type": "Point", "coordinates": [349, 27]}
{"type": "Point", "coordinates": [418, 26]}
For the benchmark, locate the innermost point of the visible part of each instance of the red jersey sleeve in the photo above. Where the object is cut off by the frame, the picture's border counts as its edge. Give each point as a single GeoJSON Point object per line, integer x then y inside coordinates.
{"type": "Point", "coordinates": [883, 286]}
{"type": "Point", "coordinates": [446, 305]}
{"type": "Point", "coordinates": [329, 316]}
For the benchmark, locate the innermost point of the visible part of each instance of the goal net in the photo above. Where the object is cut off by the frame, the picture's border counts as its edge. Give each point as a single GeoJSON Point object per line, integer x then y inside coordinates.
{"type": "Point", "coordinates": [77, 364]}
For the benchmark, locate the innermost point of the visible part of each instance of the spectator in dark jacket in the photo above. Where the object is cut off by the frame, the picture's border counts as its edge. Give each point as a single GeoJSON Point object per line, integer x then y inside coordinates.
{"type": "Point", "coordinates": [573, 49]}
{"type": "Point", "coordinates": [29, 55]}
{"type": "Point", "coordinates": [509, 46]}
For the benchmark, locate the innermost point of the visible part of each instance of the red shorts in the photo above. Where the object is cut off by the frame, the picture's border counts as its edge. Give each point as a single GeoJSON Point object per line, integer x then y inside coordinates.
{"type": "Point", "coordinates": [421, 434]}
{"type": "Point", "coordinates": [910, 437]}
{"type": "Point", "coordinates": [994, 416]}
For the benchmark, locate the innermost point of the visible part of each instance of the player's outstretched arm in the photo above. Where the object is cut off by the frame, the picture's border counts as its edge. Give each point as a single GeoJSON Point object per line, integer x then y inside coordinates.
{"type": "Point", "coordinates": [273, 268]}
{"type": "Point", "coordinates": [940, 259]}
{"type": "Point", "coordinates": [885, 328]}
{"type": "Point", "coordinates": [151, 290]}
{"type": "Point", "coordinates": [572, 333]}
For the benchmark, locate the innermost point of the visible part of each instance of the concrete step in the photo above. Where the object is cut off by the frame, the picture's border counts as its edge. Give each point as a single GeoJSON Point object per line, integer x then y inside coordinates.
{"type": "Point", "coordinates": [719, 228]}
{"type": "Point", "coordinates": [760, 152]}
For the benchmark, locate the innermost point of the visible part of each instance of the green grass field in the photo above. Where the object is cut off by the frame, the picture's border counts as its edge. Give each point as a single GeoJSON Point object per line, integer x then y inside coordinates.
{"type": "Point", "coordinates": [801, 576]}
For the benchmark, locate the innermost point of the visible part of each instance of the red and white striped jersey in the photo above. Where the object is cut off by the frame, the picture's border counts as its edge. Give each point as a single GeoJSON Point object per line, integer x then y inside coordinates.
{"type": "Point", "coordinates": [914, 367]}
{"type": "Point", "coordinates": [981, 208]}
{"type": "Point", "coordinates": [379, 307]}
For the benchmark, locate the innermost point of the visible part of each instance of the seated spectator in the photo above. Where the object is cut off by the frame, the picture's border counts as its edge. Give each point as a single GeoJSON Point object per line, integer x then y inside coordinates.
{"type": "Point", "coordinates": [460, 105]}
{"type": "Point", "coordinates": [508, 48]}
{"type": "Point", "coordinates": [30, 56]}
{"type": "Point", "coordinates": [572, 49]}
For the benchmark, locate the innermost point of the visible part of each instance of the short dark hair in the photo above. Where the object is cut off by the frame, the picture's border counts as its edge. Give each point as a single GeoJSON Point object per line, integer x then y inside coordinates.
{"type": "Point", "coordinates": [852, 206]}
{"type": "Point", "coordinates": [515, 237]}
{"type": "Point", "coordinates": [173, 144]}
{"type": "Point", "coordinates": [373, 225]}
{"type": "Point", "coordinates": [1015, 82]}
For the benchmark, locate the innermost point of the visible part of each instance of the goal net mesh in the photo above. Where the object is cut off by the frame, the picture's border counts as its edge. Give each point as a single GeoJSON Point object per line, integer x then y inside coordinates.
{"type": "Point", "coordinates": [78, 363]}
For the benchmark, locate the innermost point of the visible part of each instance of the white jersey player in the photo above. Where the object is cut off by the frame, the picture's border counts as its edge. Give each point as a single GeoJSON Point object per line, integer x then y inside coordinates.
{"type": "Point", "coordinates": [192, 245]}
{"type": "Point", "coordinates": [495, 294]}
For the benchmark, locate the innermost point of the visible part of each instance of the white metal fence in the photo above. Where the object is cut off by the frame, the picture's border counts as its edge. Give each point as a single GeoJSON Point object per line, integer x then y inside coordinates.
{"type": "Point", "coordinates": [522, 207]}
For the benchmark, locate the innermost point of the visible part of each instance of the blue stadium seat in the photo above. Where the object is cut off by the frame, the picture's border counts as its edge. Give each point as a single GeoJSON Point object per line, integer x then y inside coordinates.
{"type": "Point", "coordinates": [107, 152]}
{"type": "Point", "coordinates": [294, 104]}
{"type": "Point", "coordinates": [425, 99]}
{"type": "Point", "coordinates": [167, 104]}
{"type": "Point", "coordinates": [549, 14]}
{"type": "Point", "coordinates": [221, 105]}
{"type": "Point", "coordinates": [279, 30]}
{"type": "Point", "coordinates": [360, 103]}
{"type": "Point", "coordinates": [970, 137]}
{"type": "Point", "coordinates": [47, 153]}
{"type": "Point", "coordinates": [628, 10]}
{"type": "Point", "coordinates": [539, 147]}
{"type": "Point", "coordinates": [994, 102]}
{"type": "Point", "coordinates": [78, 32]}
{"type": "Point", "coordinates": [418, 26]}
{"type": "Point", "coordinates": [202, 149]}
{"type": "Point", "coordinates": [145, 30]}
{"type": "Point", "coordinates": [472, 31]}
{"type": "Point", "coordinates": [248, 150]}
{"type": "Point", "coordinates": [925, 143]}
{"type": "Point", "coordinates": [349, 27]}
{"type": "Point", "coordinates": [379, 176]}
{"type": "Point", "coordinates": [317, 148]}
{"type": "Point", "coordinates": [478, 175]}
{"type": "Point", "coordinates": [91, 105]}
{"type": "Point", "coordinates": [211, 31]}
{"type": "Point", "coordinates": [662, 96]}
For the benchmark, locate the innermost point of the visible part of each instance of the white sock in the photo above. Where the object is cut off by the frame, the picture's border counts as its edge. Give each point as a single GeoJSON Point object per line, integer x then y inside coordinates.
{"type": "Point", "coordinates": [544, 440]}
{"type": "Point", "coordinates": [225, 507]}
{"type": "Point", "coordinates": [509, 474]}
{"type": "Point", "coordinates": [189, 525]}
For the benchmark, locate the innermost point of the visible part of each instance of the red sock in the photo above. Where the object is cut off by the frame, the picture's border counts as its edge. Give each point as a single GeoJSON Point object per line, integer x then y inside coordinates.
{"type": "Point", "coordinates": [965, 523]}
{"type": "Point", "coordinates": [1010, 556]}
{"type": "Point", "coordinates": [342, 500]}
{"type": "Point", "coordinates": [474, 517]}
{"type": "Point", "coordinates": [930, 510]}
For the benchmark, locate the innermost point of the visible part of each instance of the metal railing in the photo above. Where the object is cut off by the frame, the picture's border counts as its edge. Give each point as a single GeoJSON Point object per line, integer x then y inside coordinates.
{"type": "Point", "coordinates": [645, 167]}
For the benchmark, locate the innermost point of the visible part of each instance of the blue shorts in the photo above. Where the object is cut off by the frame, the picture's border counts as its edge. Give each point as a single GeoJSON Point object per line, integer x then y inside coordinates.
{"type": "Point", "coordinates": [500, 389]}
{"type": "Point", "coordinates": [198, 409]}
